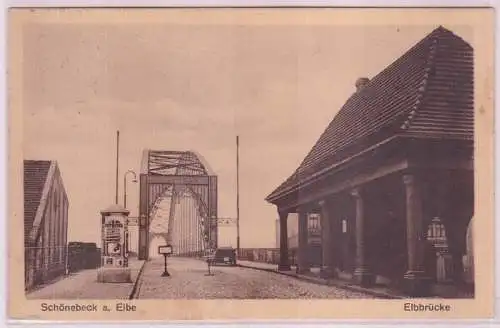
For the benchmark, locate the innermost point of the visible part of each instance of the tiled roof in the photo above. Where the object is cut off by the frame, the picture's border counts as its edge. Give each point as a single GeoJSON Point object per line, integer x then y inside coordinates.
{"type": "Point", "coordinates": [35, 176]}
{"type": "Point", "coordinates": [427, 92]}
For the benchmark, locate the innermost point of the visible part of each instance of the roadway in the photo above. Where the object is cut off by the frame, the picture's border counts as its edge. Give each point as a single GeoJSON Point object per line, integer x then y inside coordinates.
{"type": "Point", "coordinates": [189, 280]}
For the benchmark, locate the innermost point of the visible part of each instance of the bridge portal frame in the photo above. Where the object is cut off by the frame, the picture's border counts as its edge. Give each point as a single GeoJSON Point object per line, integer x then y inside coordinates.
{"type": "Point", "coordinates": [162, 171]}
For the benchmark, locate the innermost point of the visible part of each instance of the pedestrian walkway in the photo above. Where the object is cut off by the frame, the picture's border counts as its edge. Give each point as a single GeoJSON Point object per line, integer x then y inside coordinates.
{"type": "Point", "coordinates": [83, 285]}
{"type": "Point", "coordinates": [313, 276]}
{"type": "Point", "coordinates": [382, 291]}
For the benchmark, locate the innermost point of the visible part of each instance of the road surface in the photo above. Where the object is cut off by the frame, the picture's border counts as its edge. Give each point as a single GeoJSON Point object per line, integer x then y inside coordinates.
{"type": "Point", "coordinates": [189, 280]}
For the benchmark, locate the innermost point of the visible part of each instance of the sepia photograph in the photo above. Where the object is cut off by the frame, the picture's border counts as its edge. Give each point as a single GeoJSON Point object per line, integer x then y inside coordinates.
{"type": "Point", "coordinates": [240, 156]}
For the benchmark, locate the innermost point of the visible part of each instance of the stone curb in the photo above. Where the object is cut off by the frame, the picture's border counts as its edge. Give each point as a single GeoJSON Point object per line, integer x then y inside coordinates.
{"type": "Point", "coordinates": [135, 288]}
{"type": "Point", "coordinates": [324, 282]}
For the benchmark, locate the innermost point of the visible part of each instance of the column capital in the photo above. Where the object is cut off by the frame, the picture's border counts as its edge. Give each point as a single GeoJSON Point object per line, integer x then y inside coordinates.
{"type": "Point", "coordinates": [356, 193]}
{"type": "Point", "coordinates": [302, 213]}
{"type": "Point", "coordinates": [323, 203]}
{"type": "Point", "coordinates": [282, 214]}
{"type": "Point", "coordinates": [302, 210]}
{"type": "Point", "coordinates": [409, 179]}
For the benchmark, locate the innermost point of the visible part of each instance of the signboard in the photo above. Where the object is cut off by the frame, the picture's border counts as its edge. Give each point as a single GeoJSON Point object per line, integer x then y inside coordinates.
{"type": "Point", "coordinates": [224, 221]}
{"type": "Point", "coordinates": [133, 221]}
{"type": "Point", "coordinates": [165, 250]}
{"type": "Point", "coordinates": [344, 226]}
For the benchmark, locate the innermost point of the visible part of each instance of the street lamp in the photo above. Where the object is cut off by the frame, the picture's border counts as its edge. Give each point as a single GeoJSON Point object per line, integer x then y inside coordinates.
{"type": "Point", "coordinates": [125, 200]}
{"type": "Point", "coordinates": [211, 247]}
{"type": "Point", "coordinates": [125, 186]}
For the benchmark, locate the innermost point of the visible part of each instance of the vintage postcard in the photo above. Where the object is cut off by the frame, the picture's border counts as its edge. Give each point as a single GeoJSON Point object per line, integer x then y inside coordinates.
{"type": "Point", "coordinates": [251, 163]}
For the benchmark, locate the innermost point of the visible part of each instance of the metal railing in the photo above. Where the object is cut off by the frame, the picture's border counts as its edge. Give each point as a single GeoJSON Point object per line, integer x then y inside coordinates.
{"type": "Point", "coordinates": [45, 256]}
{"type": "Point", "coordinates": [266, 255]}
{"type": "Point", "coordinates": [44, 263]}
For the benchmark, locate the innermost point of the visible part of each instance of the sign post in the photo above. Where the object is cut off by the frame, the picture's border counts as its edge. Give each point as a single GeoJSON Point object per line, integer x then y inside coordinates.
{"type": "Point", "coordinates": [209, 262]}
{"type": "Point", "coordinates": [114, 253]}
{"type": "Point", "coordinates": [165, 251]}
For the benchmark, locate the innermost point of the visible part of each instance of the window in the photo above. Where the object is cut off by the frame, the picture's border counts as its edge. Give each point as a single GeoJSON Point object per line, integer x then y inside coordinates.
{"type": "Point", "coordinates": [313, 222]}
{"type": "Point", "coordinates": [436, 230]}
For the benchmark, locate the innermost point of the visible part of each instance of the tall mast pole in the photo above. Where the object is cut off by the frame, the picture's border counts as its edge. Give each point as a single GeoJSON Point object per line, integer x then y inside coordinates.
{"type": "Point", "coordinates": [238, 194]}
{"type": "Point", "coordinates": [117, 156]}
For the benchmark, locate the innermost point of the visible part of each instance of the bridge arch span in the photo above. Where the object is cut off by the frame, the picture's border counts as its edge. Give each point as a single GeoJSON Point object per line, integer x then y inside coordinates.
{"type": "Point", "coordinates": [185, 184]}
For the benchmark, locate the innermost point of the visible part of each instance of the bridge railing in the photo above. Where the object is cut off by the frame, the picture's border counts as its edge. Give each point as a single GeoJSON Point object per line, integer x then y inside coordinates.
{"type": "Point", "coordinates": [195, 254]}
{"type": "Point", "coordinates": [45, 263]}
{"type": "Point", "coordinates": [266, 255]}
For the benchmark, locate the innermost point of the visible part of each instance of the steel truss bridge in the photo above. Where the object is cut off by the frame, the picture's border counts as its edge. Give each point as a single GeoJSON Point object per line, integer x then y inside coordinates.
{"type": "Point", "coordinates": [177, 203]}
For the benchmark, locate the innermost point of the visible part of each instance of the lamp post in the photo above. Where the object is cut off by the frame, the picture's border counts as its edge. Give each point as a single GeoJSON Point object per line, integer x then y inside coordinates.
{"type": "Point", "coordinates": [125, 186]}
{"type": "Point", "coordinates": [238, 195]}
{"type": "Point", "coordinates": [117, 161]}
{"type": "Point", "coordinates": [211, 221]}
{"type": "Point", "coordinates": [134, 180]}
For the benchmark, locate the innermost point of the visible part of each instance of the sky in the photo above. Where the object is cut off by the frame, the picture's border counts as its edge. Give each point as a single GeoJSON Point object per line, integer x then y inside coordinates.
{"type": "Point", "coordinates": [192, 87]}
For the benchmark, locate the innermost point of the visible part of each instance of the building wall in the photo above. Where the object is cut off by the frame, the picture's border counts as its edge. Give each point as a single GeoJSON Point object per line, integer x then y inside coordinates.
{"type": "Point", "coordinates": [46, 256]}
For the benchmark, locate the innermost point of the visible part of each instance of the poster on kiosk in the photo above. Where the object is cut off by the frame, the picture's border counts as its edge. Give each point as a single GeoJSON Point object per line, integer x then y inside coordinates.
{"type": "Point", "coordinates": [115, 248]}
{"type": "Point", "coordinates": [114, 253]}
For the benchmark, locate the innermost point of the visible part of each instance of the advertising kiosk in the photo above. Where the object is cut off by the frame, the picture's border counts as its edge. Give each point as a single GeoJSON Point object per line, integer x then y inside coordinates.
{"type": "Point", "coordinates": [114, 249]}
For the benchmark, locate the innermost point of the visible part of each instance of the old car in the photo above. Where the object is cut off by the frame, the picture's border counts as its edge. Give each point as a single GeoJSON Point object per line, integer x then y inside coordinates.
{"type": "Point", "coordinates": [224, 255]}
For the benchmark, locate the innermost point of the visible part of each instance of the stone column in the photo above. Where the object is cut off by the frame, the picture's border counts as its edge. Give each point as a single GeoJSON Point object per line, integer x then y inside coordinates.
{"type": "Point", "coordinates": [303, 265]}
{"type": "Point", "coordinates": [362, 274]}
{"type": "Point", "coordinates": [327, 265]}
{"type": "Point", "coordinates": [416, 282]}
{"type": "Point", "coordinates": [284, 264]}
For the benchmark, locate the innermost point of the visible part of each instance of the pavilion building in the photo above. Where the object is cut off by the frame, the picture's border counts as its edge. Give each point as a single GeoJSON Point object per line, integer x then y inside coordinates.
{"type": "Point", "coordinates": [392, 176]}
